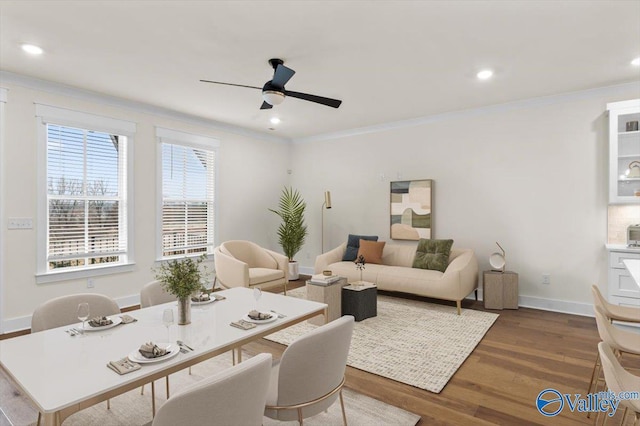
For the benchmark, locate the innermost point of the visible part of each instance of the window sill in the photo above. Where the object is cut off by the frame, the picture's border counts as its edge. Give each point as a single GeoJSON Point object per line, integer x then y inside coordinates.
{"type": "Point", "coordinates": [51, 277]}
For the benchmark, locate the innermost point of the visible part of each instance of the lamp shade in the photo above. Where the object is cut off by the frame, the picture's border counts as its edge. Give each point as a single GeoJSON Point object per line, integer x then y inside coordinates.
{"type": "Point", "coordinates": [273, 97]}
{"type": "Point", "coordinates": [327, 199]}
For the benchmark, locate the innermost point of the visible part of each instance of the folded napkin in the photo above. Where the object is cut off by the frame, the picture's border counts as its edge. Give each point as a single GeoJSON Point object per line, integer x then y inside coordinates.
{"type": "Point", "coordinates": [100, 321]}
{"type": "Point", "coordinates": [127, 319]}
{"type": "Point", "coordinates": [255, 315]}
{"type": "Point", "coordinates": [123, 366]}
{"type": "Point", "coordinates": [151, 350]}
{"type": "Point", "coordinates": [242, 324]}
{"type": "Point", "coordinates": [202, 297]}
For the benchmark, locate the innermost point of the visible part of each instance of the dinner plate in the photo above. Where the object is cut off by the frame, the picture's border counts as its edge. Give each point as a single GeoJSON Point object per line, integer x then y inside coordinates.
{"type": "Point", "coordinates": [116, 321]}
{"type": "Point", "coordinates": [206, 302]}
{"type": "Point", "coordinates": [264, 321]}
{"type": "Point", "coordinates": [174, 350]}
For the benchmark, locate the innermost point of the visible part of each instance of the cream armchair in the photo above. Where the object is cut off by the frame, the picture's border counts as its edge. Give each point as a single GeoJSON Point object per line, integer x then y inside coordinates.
{"type": "Point", "coordinates": [246, 264]}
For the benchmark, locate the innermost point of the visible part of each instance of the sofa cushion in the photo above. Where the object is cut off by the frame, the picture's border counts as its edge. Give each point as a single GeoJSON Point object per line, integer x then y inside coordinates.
{"type": "Point", "coordinates": [353, 244]}
{"type": "Point", "coordinates": [433, 254]}
{"type": "Point", "coordinates": [263, 275]}
{"type": "Point", "coordinates": [371, 251]}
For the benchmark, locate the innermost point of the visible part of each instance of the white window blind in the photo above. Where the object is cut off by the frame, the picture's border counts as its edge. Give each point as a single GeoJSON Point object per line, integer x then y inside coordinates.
{"type": "Point", "coordinates": [188, 194]}
{"type": "Point", "coordinates": [86, 198]}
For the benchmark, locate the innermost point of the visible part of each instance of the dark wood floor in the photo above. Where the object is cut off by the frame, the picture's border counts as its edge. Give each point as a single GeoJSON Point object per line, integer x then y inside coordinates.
{"type": "Point", "coordinates": [524, 352]}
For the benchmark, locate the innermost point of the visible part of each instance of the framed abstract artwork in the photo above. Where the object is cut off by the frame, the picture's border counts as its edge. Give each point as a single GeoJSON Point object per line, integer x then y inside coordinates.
{"type": "Point", "coordinates": [411, 207]}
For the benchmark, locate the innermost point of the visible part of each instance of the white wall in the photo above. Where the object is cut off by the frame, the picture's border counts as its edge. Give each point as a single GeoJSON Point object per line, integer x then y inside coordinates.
{"type": "Point", "coordinates": [530, 175]}
{"type": "Point", "coordinates": [251, 173]}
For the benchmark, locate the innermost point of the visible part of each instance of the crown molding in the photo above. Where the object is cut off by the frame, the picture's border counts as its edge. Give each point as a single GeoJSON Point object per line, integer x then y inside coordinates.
{"type": "Point", "coordinates": [90, 96]}
{"type": "Point", "coordinates": [619, 89]}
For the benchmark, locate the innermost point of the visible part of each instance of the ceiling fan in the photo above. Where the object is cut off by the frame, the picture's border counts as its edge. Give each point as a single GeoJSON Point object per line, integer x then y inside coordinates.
{"type": "Point", "coordinates": [273, 91]}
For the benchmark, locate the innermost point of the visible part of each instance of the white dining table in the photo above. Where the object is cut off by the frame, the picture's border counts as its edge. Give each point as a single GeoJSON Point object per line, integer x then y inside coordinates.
{"type": "Point", "coordinates": [62, 374]}
{"type": "Point", "coordinates": [633, 266]}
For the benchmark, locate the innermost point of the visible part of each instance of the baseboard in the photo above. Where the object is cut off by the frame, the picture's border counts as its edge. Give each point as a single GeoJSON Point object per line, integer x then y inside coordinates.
{"type": "Point", "coordinates": [562, 306]}
{"type": "Point", "coordinates": [306, 270]}
{"type": "Point", "coordinates": [24, 323]}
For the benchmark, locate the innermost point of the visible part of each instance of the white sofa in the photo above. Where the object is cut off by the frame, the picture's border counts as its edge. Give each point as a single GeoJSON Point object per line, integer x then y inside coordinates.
{"type": "Point", "coordinates": [396, 272]}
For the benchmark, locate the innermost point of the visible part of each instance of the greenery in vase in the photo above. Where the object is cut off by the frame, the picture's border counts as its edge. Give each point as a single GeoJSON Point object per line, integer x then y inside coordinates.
{"type": "Point", "coordinates": [181, 277]}
{"type": "Point", "coordinates": [292, 231]}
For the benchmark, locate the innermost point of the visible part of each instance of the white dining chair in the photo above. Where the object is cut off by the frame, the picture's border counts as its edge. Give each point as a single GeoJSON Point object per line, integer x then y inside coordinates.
{"type": "Point", "coordinates": [619, 340]}
{"type": "Point", "coordinates": [234, 396]}
{"type": "Point", "coordinates": [154, 294]}
{"type": "Point", "coordinates": [310, 375]}
{"type": "Point", "coordinates": [619, 380]}
{"type": "Point", "coordinates": [63, 310]}
{"type": "Point", "coordinates": [150, 295]}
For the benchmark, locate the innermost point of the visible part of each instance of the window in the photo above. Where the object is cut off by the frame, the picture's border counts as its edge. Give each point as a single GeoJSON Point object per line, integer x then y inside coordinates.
{"type": "Point", "coordinates": [85, 217]}
{"type": "Point", "coordinates": [188, 193]}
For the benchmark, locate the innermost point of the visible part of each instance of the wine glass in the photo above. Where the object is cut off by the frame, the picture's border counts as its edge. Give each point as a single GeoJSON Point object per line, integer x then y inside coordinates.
{"type": "Point", "coordinates": [83, 314]}
{"type": "Point", "coordinates": [256, 295]}
{"type": "Point", "coordinates": [167, 320]}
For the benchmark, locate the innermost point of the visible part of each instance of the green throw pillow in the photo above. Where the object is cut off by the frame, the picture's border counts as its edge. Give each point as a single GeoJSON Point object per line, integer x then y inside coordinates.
{"type": "Point", "coordinates": [432, 254]}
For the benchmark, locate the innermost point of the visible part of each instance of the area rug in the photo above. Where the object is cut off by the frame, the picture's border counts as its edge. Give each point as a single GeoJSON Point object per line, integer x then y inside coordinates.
{"type": "Point", "coordinates": [132, 409]}
{"type": "Point", "coordinates": [418, 343]}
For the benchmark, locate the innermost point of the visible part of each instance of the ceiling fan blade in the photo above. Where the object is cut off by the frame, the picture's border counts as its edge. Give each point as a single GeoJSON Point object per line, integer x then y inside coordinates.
{"type": "Point", "coordinates": [266, 106]}
{"type": "Point", "coordinates": [282, 75]}
{"type": "Point", "coordinates": [231, 84]}
{"type": "Point", "coordinates": [334, 103]}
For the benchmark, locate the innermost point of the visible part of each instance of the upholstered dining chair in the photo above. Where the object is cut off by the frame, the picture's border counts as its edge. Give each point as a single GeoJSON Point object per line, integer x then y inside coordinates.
{"type": "Point", "coordinates": [619, 340]}
{"type": "Point", "coordinates": [234, 396]}
{"type": "Point", "coordinates": [619, 380]}
{"type": "Point", "coordinates": [242, 263]}
{"type": "Point", "coordinates": [150, 295]}
{"type": "Point", "coordinates": [154, 294]}
{"type": "Point", "coordinates": [612, 313]}
{"type": "Point", "coordinates": [310, 375]}
{"type": "Point", "coordinates": [62, 311]}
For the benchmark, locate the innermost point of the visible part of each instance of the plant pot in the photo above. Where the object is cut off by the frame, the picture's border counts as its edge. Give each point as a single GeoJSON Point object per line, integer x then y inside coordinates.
{"type": "Point", "coordinates": [293, 271]}
{"type": "Point", "coordinates": [184, 311]}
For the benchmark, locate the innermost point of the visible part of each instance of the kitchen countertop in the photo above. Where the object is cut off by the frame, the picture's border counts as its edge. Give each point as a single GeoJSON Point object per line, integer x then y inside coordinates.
{"type": "Point", "coordinates": [622, 247]}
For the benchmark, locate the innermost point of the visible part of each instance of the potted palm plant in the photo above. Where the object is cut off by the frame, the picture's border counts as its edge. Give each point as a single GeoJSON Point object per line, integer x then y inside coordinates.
{"type": "Point", "coordinates": [292, 231]}
{"type": "Point", "coordinates": [182, 278]}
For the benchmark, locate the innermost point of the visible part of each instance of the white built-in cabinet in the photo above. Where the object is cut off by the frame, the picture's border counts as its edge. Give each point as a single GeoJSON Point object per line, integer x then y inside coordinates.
{"type": "Point", "coordinates": [624, 188]}
{"type": "Point", "coordinates": [624, 152]}
{"type": "Point", "coordinates": [622, 288]}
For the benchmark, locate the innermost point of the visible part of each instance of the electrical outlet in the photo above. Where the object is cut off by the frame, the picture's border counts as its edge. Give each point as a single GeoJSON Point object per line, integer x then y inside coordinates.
{"type": "Point", "coordinates": [546, 279]}
{"type": "Point", "coordinates": [20, 223]}
{"type": "Point", "coordinates": [90, 283]}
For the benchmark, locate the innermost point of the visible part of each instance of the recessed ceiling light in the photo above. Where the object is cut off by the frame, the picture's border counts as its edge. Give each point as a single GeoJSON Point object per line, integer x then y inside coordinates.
{"type": "Point", "coordinates": [32, 49]}
{"type": "Point", "coordinates": [636, 62]}
{"type": "Point", "coordinates": [274, 120]}
{"type": "Point", "coordinates": [484, 74]}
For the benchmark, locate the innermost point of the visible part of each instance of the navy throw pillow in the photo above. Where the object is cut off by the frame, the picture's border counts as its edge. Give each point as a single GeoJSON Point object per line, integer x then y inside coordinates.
{"type": "Point", "coordinates": [353, 245]}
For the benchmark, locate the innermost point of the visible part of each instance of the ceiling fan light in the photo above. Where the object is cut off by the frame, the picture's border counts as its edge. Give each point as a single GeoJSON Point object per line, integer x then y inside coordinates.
{"type": "Point", "coordinates": [273, 97]}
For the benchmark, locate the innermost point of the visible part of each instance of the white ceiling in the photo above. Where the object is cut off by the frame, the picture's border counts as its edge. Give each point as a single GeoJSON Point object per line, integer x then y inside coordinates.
{"type": "Point", "coordinates": [387, 60]}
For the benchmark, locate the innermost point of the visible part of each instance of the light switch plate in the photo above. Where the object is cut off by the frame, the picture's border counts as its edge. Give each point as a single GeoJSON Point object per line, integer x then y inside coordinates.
{"type": "Point", "coordinates": [20, 223]}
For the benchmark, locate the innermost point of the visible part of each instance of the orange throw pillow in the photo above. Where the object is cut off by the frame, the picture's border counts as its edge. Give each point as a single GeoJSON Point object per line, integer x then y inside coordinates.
{"type": "Point", "coordinates": [371, 250]}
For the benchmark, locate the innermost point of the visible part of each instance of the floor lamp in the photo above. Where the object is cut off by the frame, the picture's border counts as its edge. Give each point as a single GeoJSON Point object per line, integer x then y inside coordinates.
{"type": "Point", "coordinates": [325, 205]}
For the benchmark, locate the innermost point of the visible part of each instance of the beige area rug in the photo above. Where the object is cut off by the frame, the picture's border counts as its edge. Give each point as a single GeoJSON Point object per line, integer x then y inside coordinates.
{"type": "Point", "coordinates": [132, 408]}
{"type": "Point", "coordinates": [418, 343]}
